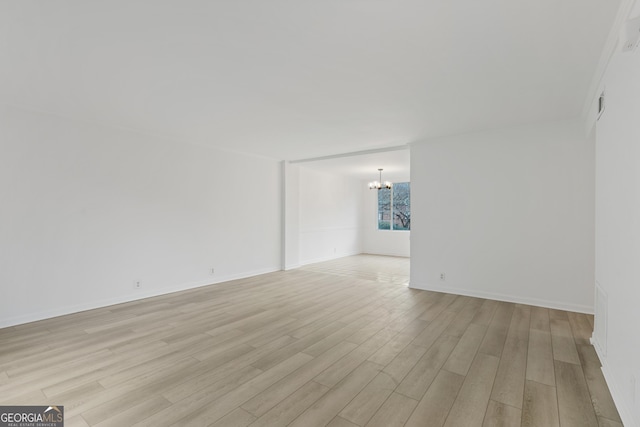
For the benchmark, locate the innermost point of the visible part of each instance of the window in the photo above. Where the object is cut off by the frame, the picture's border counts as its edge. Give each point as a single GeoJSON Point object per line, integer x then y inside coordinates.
{"type": "Point", "coordinates": [394, 207]}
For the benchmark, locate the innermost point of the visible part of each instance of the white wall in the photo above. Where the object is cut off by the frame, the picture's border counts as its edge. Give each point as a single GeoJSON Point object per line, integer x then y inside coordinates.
{"type": "Point", "coordinates": [380, 242]}
{"type": "Point", "coordinates": [87, 209]}
{"type": "Point", "coordinates": [618, 233]}
{"type": "Point", "coordinates": [330, 211]}
{"type": "Point", "coordinates": [506, 214]}
{"type": "Point", "coordinates": [290, 216]}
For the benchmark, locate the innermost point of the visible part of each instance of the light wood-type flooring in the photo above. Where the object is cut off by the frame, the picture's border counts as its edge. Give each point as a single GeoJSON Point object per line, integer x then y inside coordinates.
{"type": "Point", "coordinates": [341, 343]}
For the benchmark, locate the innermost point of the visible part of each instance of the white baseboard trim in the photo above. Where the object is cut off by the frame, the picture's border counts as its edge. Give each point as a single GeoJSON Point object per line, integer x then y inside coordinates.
{"type": "Point", "coordinates": [137, 295]}
{"type": "Point", "coordinates": [615, 388]}
{"type": "Point", "coordinates": [399, 255]}
{"type": "Point", "coordinates": [327, 258]}
{"type": "Point", "coordinates": [578, 308]}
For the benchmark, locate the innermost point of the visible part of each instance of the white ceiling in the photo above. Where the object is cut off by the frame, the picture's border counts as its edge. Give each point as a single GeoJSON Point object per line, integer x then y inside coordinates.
{"type": "Point", "coordinates": [395, 165]}
{"type": "Point", "coordinates": [297, 79]}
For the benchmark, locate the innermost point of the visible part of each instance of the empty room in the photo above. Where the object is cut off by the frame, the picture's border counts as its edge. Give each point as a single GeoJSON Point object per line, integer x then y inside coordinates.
{"type": "Point", "coordinates": [339, 213]}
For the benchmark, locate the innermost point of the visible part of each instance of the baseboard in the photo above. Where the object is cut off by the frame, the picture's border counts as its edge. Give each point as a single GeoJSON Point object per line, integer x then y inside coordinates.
{"type": "Point", "coordinates": [399, 255]}
{"type": "Point", "coordinates": [615, 388]}
{"type": "Point", "coordinates": [327, 258]}
{"type": "Point", "coordinates": [578, 308]}
{"type": "Point", "coordinates": [138, 295]}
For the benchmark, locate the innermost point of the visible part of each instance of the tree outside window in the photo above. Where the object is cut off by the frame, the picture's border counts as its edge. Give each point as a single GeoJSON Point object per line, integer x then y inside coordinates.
{"type": "Point", "coordinates": [394, 207]}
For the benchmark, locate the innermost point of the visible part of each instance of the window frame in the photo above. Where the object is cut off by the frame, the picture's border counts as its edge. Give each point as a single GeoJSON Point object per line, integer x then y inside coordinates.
{"type": "Point", "coordinates": [391, 208]}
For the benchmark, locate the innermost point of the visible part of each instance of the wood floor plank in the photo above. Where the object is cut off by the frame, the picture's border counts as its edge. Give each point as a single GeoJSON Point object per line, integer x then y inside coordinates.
{"type": "Point", "coordinates": [334, 401]}
{"type": "Point", "coordinates": [471, 404]}
{"type": "Point", "coordinates": [271, 359]}
{"type": "Point", "coordinates": [390, 350]}
{"type": "Point", "coordinates": [233, 399]}
{"type": "Point", "coordinates": [341, 422]}
{"type": "Point", "coordinates": [124, 401]}
{"type": "Point", "coordinates": [335, 373]}
{"type": "Point", "coordinates": [369, 330]}
{"type": "Point", "coordinates": [419, 379]}
{"type": "Point", "coordinates": [463, 354]}
{"type": "Point", "coordinates": [236, 418]}
{"type": "Point", "coordinates": [434, 329]}
{"type": "Point", "coordinates": [270, 397]}
{"type": "Point", "coordinates": [501, 415]}
{"type": "Point", "coordinates": [340, 343]}
{"type": "Point", "coordinates": [76, 421]}
{"type": "Point", "coordinates": [605, 422]}
{"type": "Point", "coordinates": [540, 358]}
{"type": "Point", "coordinates": [196, 402]}
{"type": "Point", "coordinates": [467, 312]}
{"type": "Point", "coordinates": [135, 413]}
{"type": "Point", "coordinates": [405, 318]}
{"type": "Point", "coordinates": [485, 313]}
{"type": "Point", "coordinates": [369, 400]}
{"type": "Point", "coordinates": [206, 374]}
{"type": "Point", "coordinates": [414, 328]}
{"type": "Point", "coordinates": [77, 395]}
{"type": "Point", "coordinates": [404, 362]}
{"type": "Point", "coordinates": [560, 328]}
{"type": "Point", "coordinates": [562, 342]}
{"type": "Point", "coordinates": [574, 401]}
{"type": "Point", "coordinates": [394, 412]}
{"type": "Point", "coordinates": [494, 339]}
{"type": "Point", "coordinates": [540, 407]}
{"type": "Point", "coordinates": [590, 319]}
{"type": "Point", "coordinates": [291, 407]}
{"type": "Point", "coordinates": [333, 339]}
{"type": "Point", "coordinates": [48, 375]}
{"type": "Point", "coordinates": [521, 318]}
{"type": "Point", "coordinates": [540, 319]}
{"type": "Point", "coordinates": [558, 315]}
{"type": "Point", "coordinates": [580, 327]}
{"type": "Point", "coordinates": [440, 303]}
{"type": "Point", "coordinates": [130, 392]}
{"type": "Point", "coordinates": [510, 378]}
{"type": "Point", "coordinates": [26, 397]}
{"type": "Point", "coordinates": [435, 405]}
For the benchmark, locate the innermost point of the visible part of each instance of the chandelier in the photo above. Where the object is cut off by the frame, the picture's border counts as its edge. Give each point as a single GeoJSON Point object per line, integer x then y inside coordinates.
{"type": "Point", "coordinates": [378, 185]}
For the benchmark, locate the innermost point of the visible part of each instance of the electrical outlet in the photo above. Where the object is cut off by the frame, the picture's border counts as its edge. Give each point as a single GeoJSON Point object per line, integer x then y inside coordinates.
{"type": "Point", "coordinates": [137, 284]}
{"type": "Point", "coordinates": [443, 276]}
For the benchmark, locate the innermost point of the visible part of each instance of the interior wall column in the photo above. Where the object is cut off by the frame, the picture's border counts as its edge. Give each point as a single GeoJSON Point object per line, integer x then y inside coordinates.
{"type": "Point", "coordinates": [290, 216]}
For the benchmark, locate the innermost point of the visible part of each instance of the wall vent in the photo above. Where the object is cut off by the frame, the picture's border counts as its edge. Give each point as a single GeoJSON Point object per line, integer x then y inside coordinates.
{"type": "Point", "coordinates": [631, 35]}
{"type": "Point", "coordinates": [600, 105]}
{"type": "Point", "coordinates": [600, 324]}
